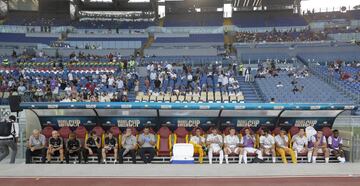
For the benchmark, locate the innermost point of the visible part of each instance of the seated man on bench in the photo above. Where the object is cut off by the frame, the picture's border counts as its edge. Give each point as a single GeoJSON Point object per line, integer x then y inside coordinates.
{"type": "Point", "coordinates": [55, 147]}
{"type": "Point", "coordinates": [111, 146]}
{"type": "Point", "coordinates": [73, 148]}
{"type": "Point", "coordinates": [129, 145]}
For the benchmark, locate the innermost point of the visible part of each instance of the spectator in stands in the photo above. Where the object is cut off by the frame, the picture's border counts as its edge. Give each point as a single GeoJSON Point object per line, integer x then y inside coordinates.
{"type": "Point", "coordinates": [300, 143]}
{"type": "Point", "coordinates": [272, 100]}
{"type": "Point", "coordinates": [92, 147]}
{"type": "Point", "coordinates": [110, 146]}
{"type": "Point", "coordinates": [282, 146]}
{"type": "Point", "coordinates": [232, 146]}
{"type": "Point", "coordinates": [318, 144]}
{"type": "Point", "coordinates": [279, 85]}
{"type": "Point", "coordinates": [73, 148]}
{"type": "Point", "coordinates": [267, 144]}
{"type": "Point", "coordinates": [36, 146]}
{"type": "Point", "coordinates": [214, 141]}
{"type": "Point", "coordinates": [56, 147]}
{"type": "Point", "coordinates": [157, 84]}
{"type": "Point", "coordinates": [247, 74]}
{"type": "Point", "coordinates": [199, 144]}
{"type": "Point", "coordinates": [129, 145]}
{"type": "Point", "coordinates": [248, 142]}
{"type": "Point", "coordinates": [147, 143]}
{"type": "Point", "coordinates": [295, 89]}
{"type": "Point", "coordinates": [336, 146]}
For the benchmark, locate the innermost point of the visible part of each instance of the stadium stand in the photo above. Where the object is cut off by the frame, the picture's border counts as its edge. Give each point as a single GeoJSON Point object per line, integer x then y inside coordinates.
{"type": "Point", "coordinates": [279, 60]}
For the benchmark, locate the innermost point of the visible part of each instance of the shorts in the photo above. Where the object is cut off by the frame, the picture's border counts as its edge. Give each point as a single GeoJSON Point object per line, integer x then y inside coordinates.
{"type": "Point", "coordinates": [332, 150]}
{"type": "Point", "coordinates": [56, 153]}
{"type": "Point", "coordinates": [110, 151]}
{"type": "Point", "coordinates": [320, 150]}
{"type": "Point", "coordinates": [298, 149]}
{"type": "Point", "coordinates": [251, 150]}
{"type": "Point", "coordinates": [214, 148]}
{"type": "Point", "coordinates": [235, 150]}
{"type": "Point", "coordinates": [267, 151]}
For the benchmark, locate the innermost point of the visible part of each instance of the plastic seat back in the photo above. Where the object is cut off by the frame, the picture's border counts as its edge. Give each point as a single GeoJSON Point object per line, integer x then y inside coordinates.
{"type": "Point", "coordinates": [181, 135]}
{"type": "Point", "coordinates": [164, 143]}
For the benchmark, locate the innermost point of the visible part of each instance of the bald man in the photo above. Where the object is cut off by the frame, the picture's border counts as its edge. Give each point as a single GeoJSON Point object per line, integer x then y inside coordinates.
{"type": "Point", "coordinates": [36, 146]}
{"type": "Point", "coordinates": [55, 147]}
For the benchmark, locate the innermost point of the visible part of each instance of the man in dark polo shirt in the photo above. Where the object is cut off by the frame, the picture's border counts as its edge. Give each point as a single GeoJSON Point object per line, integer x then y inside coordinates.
{"type": "Point", "coordinates": [110, 146]}
{"type": "Point", "coordinates": [73, 148]}
{"type": "Point", "coordinates": [55, 147]}
{"type": "Point", "coordinates": [92, 147]}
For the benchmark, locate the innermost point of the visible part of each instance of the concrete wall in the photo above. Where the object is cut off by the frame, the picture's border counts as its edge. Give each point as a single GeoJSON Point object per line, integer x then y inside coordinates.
{"type": "Point", "coordinates": [181, 52]}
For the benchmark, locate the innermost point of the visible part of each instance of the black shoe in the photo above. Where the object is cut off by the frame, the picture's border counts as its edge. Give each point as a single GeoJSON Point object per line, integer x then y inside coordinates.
{"type": "Point", "coordinates": [258, 160]}
{"type": "Point", "coordinates": [61, 162]}
{"type": "Point", "coordinates": [48, 162]}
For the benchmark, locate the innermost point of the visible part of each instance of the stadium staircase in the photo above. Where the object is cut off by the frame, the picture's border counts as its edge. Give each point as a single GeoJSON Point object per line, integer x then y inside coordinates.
{"type": "Point", "coordinates": [161, 22]}
{"type": "Point", "coordinates": [148, 44]}
{"type": "Point", "coordinates": [249, 91]}
{"type": "Point", "coordinates": [228, 22]}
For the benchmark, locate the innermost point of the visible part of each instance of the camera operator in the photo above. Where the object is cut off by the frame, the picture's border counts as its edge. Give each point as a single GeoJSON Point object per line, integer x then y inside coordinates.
{"type": "Point", "coordinates": [9, 134]}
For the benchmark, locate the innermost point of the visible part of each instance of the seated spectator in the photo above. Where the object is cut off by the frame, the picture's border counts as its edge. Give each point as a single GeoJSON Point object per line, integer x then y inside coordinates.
{"type": "Point", "coordinates": [147, 143]}
{"type": "Point", "coordinates": [56, 147]}
{"type": "Point", "coordinates": [36, 146]}
{"type": "Point", "coordinates": [92, 147]}
{"type": "Point", "coordinates": [73, 148]}
{"type": "Point", "coordinates": [110, 146]}
{"type": "Point", "coordinates": [279, 85]}
{"type": "Point", "coordinates": [295, 89]}
{"type": "Point", "coordinates": [129, 145]}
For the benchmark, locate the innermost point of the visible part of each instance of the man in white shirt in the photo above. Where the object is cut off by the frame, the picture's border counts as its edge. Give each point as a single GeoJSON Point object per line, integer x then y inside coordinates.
{"type": "Point", "coordinates": [299, 142]}
{"type": "Point", "coordinates": [225, 82]}
{"type": "Point", "coordinates": [70, 77]}
{"type": "Point", "coordinates": [215, 142]}
{"type": "Point", "coordinates": [198, 142]}
{"type": "Point", "coordinates": [267, 144]}
{"type": "Point", "coordinates": [232, 145]}
{"type": "Point", "coordinates": [282, 146]}
{"type": "Point", "coordinates": [9, 134]}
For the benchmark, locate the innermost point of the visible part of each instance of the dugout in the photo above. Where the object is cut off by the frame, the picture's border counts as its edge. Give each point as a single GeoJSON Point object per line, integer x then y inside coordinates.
{"type": "Point", "coordinates": [189, 115]}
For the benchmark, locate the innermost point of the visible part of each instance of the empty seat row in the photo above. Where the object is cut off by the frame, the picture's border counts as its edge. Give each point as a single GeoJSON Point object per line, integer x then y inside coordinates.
{"type": "Point", "coordinates": [203, 97]}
